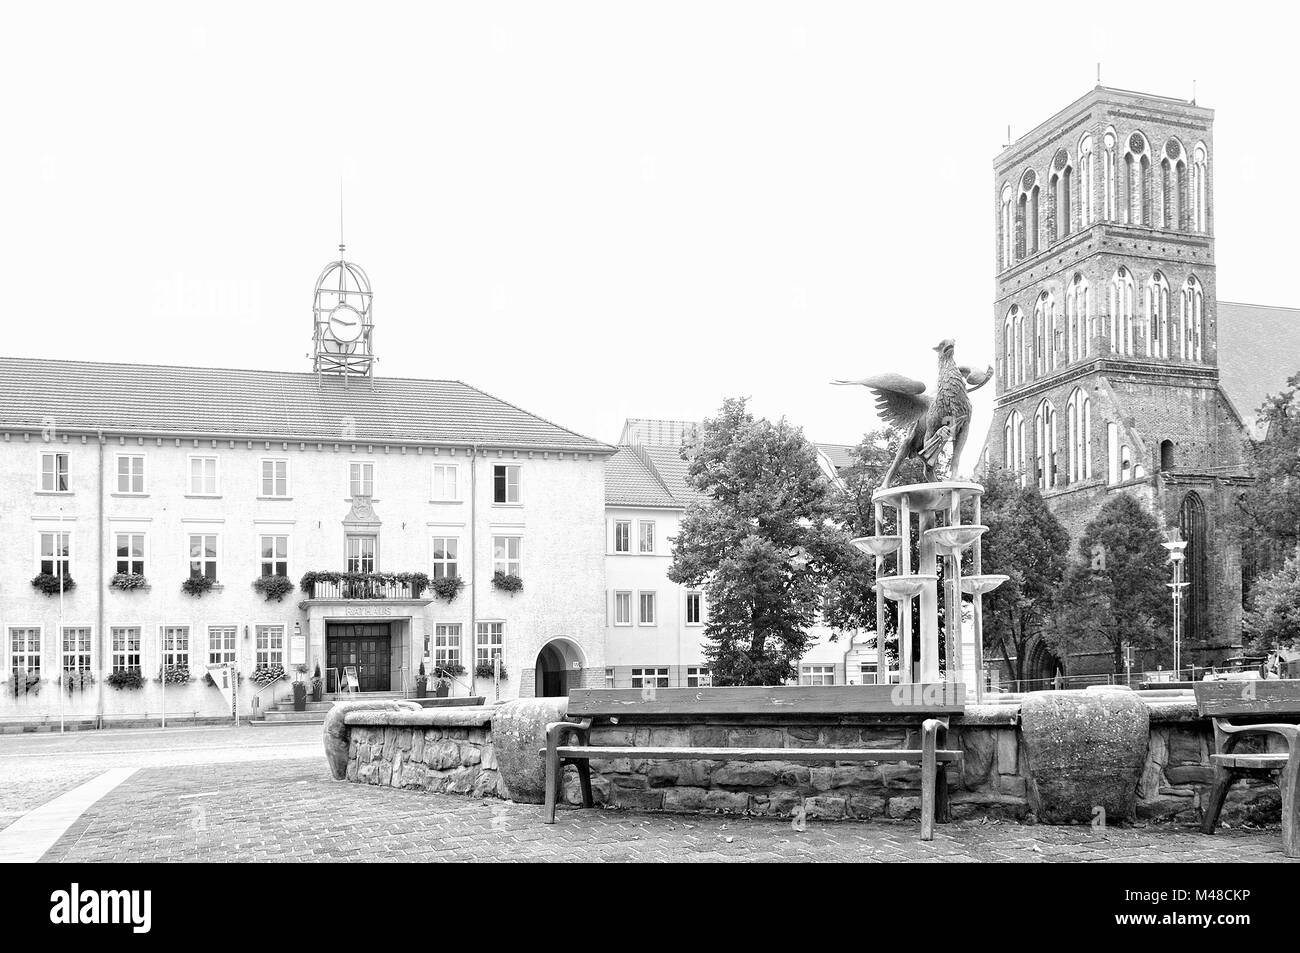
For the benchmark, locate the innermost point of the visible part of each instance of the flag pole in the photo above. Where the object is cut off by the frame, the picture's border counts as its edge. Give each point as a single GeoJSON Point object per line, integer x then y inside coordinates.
{"type": "Point", "coordinates": [58, 546]}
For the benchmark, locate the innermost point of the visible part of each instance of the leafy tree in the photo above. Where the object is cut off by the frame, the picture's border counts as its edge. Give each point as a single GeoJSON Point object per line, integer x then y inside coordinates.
{"type": "Point", "coordinates": [762, 543]}
{"type": "Point", "coordinates": [1272, 504]}
{"type": "Point", "coordinates": [1116, 590]}
{"type": "Point", "coordinates": [1027, 543]}
{"type": "Point", "coordinates": [1273, 620]}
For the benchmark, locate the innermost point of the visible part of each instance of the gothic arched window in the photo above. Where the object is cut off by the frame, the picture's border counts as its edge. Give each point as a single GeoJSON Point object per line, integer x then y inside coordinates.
{"type": "Point", "coordinates": [1157, 317]}
{"type": "Point", "coordinates": [1013, 347]}
{"type": "Point", "coordinates": [1078, 426]}
{"type": "Point", "coordinates": [1121, 312]}
{"type": "Point", "coordinates": [1008, 227]}
{"type": "Point", "coordinates": [1191, 522]}
{"type": "Point", "coordinates": [1200, 190]}
{"type": "Point", "coordinates": [1045, 333]}
{"type": "Point", "coordinates": [1191, 324]}
{"type": "Point", "coordinates": [1060, 184]}
{"type": "Point", "coordinates": [1045, 445]}
{"type": "Point", "coordinates": [1085, 182]}
{"type": "Point", "coordinates": [1110, 177]}
{"type": "Point", "coordinates": [1137, 166]}
{"type": "Point", "coordinates": [1077, 315]}
{"type": "Point", "coordinates": [1173, 186]}
{"type": "Point", "coordinates": [1013, 444]}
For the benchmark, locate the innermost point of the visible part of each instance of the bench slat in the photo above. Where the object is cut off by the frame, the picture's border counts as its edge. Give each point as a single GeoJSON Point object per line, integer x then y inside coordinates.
{"type": "Point", "coordinates": [1251, 762]}
{"type": "Point", "coordinates": [752, 754]}
{"type": "Point", "coordinates": [922, 699]}
{"type": "Point", "coordinates": [1254, 697]}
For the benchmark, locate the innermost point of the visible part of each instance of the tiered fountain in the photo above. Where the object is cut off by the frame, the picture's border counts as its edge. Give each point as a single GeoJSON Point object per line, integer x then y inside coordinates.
{"type": "Point", "coordinates": [941, 534]}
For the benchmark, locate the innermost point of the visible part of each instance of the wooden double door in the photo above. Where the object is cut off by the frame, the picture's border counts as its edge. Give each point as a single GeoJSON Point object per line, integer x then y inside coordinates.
{"type": "Point", "coordinates": [367, 647]}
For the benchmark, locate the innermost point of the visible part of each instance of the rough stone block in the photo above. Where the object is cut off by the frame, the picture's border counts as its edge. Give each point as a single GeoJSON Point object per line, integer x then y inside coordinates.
{"type": "Point", "coordinates": [1153, 776]}
{"type": "Point", "coordinates": [882, 738]}
{"type": "Point", "coordinates": [611, 737]}
{"type": "Point", "coordinates": [1190, 774]}
{"type": "Point", "coordinates": [866, 805]}
{"type": "Point", "coordinates": [777, 802]}
{"type": "Point", "coordinates": [843, 737]}
{"type": "Point", "coordinates": [901, 776]}
{"type": "Point", "coordinates": [665, 737]}
{"type": "Point", "coordinates": [754, 774]}
{"type": "Point", "coordinates": [470, 753]}
{"type": "Point", "coordinates": [464, 780]}
{"type": "Point", "coordinates": [826, 806]}
{"type": "Point", "coordinates": [980, 746]}
{"type": "Point", "coordinates": [1008, 751]}
{"type": "Point", "coordinates": [685, 799]}
{"type": "Point", "coordinates": [443, 753]}
{"type": "Point", "coordinates": [793, 775]}
{"type": "Point", "coordinates": [1158, 746]}
{"type": "Point", "coordinates": [733, 802]}
{"type": "Point", "coordinates": [903, 807]}
{"type": "Point", "coordinates": [417, 745]}
{"type": "Point", "coordinates": [637, 800]}
{"type": "Point", "coordinates": [404, 739]}
{"type": "Point", "coordinates": [1184, 747]}
{"type": "Point", "coordinates": [489, 756]}
{"type": "Point", "coordinates": [1012, 784]}
{"type": "Point", "coordinates": [755, 738]}
{"type": "Point", "coordinates": [708, 736]}
{"type": "Point", "coordinates": [802, 737]}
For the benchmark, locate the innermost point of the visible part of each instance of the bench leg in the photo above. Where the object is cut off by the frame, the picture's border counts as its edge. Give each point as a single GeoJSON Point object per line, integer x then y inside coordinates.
{"type": "Point", "coordinates": [1214, 803]}
{"type": "Point", "coordinates": [584, 779]}
{"type": "Point", "coordinates": [929, 735]}
{"type": "Point", "coordinates": [1291, 806]}
{"type": "Point", "coordinates": [942, 809]}
{"type": "Point", "coordinates": [553, 776]}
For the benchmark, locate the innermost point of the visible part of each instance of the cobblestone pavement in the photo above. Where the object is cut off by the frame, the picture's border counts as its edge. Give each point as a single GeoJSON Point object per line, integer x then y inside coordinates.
{"type": "Point", "coordinates": [291, 810]}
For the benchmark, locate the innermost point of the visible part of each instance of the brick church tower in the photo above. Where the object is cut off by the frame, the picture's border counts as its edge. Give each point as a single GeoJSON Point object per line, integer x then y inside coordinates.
{"type": "Point", "coordinates": [1106, 336]}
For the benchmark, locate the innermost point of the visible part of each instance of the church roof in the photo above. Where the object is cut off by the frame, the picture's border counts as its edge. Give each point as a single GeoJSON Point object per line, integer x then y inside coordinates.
{"type": "Point", "coordinates": [276, 405]}
{"type": "Point", "coordinates": [1259, 348]}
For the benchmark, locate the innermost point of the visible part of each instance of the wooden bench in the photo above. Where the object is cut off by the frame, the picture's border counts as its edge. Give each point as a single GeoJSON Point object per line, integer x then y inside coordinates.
{"type": "Point", "coordinates": [1253, 701]}
{"type": "Point", "coordinates": [925, 706]}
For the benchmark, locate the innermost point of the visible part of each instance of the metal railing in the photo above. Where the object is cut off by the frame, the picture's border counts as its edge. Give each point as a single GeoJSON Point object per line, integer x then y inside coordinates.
{"type": "Point", "coordinates": [362, 586]}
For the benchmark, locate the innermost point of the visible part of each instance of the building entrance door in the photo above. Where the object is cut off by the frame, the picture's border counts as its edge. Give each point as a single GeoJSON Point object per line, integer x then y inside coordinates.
{"type": "Point", "coordinates": [368, 647]}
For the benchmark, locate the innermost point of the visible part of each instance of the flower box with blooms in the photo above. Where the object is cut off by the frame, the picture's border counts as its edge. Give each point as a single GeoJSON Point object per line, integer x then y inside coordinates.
{"type": "Point", "coordinates": [266, 674]}
{"type": "Point", "coordinates": [125, 678]}
{"type": "Point", "coordinates": [48, 583]}
{"type": "Point", "coordinates": [26, 683]}
{"type": "Point", "coordinates": [448, 670]}
{"type": "Point", "coordinates": [484, 670]}
{"type": "Point", "coordinates": [174, 674]}
{"type": "Point", "coordinates": [77, 681]}
{"type": "Point", "coordinates": [446, 587]}
{"type": "Point", "coordinates": [273, 587]}
{"type": "Point", "coordinates": [128, 581]}
{"type": "Point", "coordinates": [196, 585]}
{"type": "Point", "coordinates": [507, 582]}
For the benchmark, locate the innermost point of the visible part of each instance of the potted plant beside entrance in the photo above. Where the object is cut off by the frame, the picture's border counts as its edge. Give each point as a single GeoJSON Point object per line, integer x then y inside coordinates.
{"type": "Point", "coordinates": [317, 685]}
{"type": "Point", "coordinates": [421, 683]}
{"type": "Point", "coordinates": [300, 687]}
{"type": "Point", "coordinates": [444, 675]}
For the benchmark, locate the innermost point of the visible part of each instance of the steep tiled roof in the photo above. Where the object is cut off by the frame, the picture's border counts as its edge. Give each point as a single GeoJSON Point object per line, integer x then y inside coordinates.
{"type": "Point", "coordinates": [631, 481]}
{"type": "Point", "coordinates": [839, 454]}
{"type": "Point", "coordinates": [280, 405]}
{"type": "Point", "coordinates": [1259, 348]}
{"type": "Point", "coordinates": [664, 433]}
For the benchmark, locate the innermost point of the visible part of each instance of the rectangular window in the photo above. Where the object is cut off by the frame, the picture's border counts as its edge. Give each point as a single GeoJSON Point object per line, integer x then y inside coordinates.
{"type": "Point", "coordinates": [176, 646]}
{"type": "Point", "coordinates": [699, 677]}
{"type": "Point", "coordinates": [130, 553]}
{"type": "Point", "coordinates": [270, 645]}
{"type": "Point", "coordinates": [649, 678]}
{"type": "Point", "coordinates": [203, 476]}
{"type": "Point", "coordinates": [361, 554]}
{"type": "Point", "coordinates": [444, 482]}
{"type": "Point", "coordinates": [445, 549]}
{"type": "Point", "coordinates": [610, 681]}
{"type": "Point", "coordinates": [647, 605]}
{"type": "Point", "coordinates": [54, 473]}
{"type": "Point", "coordinates": [25, 650]}
{"type": "Point", "coordinates": [623, 608]}
{"type": "Point", "coordinates": [203, 555]}
{"type": "Point", "coordinates": [446, 644]}
{"type": "Point", "coordinates": [76, 649]}
{"type": "Point", "coordinates": [221, 643]}
{"type": "Point", "coordinates": [817, 675]}
{"type": "Point", "coordinates": [126, 649]}
{"type": "Point", "coordinates": [646, 531]}
{"type": "Point", "coordinates": [507, 555]}
{"type": "Point", "coordinates": [130, 473]}
{"type": "Point", "coordinates": [489, 642]}
{"type": "Point", "coordinates": [275, 478]}
{"type": "Point", "coordinates": [622, 536]}
{"type": "Point", "coordinates": [56, 553]}
{"type": "Point", "coordinates": [694, 605]}
{"type": "Point", "coordinates": [505, 484]}
{"type": "Point", "coordinates": [867, 673]}
{"type": "Point", "coordinates": [361, 478]}
{"type": "Point", "coordinates": [275, 555]}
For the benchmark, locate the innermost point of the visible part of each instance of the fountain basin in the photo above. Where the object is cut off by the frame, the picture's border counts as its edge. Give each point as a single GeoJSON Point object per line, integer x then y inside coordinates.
{"type": "Point", "coordinates": [903, 587]}
{"type": "Point", "coordinates": [878, 545]}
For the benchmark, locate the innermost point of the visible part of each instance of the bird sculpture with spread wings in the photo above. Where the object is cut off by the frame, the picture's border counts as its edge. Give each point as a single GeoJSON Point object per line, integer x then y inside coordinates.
{"type": "Point", "coordinates": [929, 422]}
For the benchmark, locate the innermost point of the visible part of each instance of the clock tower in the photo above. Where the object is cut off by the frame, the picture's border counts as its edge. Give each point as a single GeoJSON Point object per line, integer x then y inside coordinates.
{"type": "Point", "coordinates": [342, 321]}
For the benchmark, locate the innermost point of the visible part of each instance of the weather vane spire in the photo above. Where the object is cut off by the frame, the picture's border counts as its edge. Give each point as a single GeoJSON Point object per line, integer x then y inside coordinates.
{"type": "Point", "coordinates": [341, 246]}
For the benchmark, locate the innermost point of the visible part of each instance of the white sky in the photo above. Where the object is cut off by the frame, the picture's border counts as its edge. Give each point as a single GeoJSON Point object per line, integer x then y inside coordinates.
{"type": "Point", "coordinates": [595, 210]}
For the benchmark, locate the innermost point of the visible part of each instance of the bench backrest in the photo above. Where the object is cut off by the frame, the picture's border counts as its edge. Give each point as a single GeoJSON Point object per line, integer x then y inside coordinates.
{"type": "Point", "coordinates": [941, 698]}
{"type": "Point", "coordinates": [1224, 699]}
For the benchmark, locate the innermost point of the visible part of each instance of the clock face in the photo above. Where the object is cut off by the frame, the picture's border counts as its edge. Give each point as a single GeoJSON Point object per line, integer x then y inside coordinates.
{"type": "Point", "coordinates": [345, 323]}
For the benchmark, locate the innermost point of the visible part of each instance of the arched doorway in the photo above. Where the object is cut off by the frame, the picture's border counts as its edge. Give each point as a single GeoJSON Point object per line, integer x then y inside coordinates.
{"type": "Point", "coordinates": [559, 665]}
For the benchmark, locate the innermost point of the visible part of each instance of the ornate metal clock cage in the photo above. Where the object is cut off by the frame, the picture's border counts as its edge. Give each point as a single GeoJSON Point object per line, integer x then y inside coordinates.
{"type": "Point", "coordinates": [343, 285]}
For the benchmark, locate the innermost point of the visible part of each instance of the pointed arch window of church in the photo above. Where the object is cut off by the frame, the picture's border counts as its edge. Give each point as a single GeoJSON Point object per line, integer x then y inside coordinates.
{"type": "Point", "coordinates": [1191, 324]}
{"type": "Point", "coordinates": [1121, 311]}
{"type": "Point", "coordinates": [1078, 424]}
{"type": "Point", "coordinates": [1192, 525]}
{"type": "Point", "coordinates": [1109, 177]}
{"type": "Point", "coordinates": [1007, 227]}
{"type": "Point", "coordinates": [1137, 169]}
{"type": "Point", "coordinates": [1157, 315]}
{"type": "Point", "coordinates": [1013, 444]}
{"type": "Point", "coordinates": [1173, 186]}
{"type": "Point", "coordinates": [1077, 318]}
{"type": "Point", "coordinates": [1060, 185]}
{"type": "Point", "coordinates": [1200, 188]}
{"type": "Point", "coordinates": [1085, 182]}
{"type": "Point", "coordinates": [1045, 445]}
{"type": "Point", "coordinates": [1013, 347]}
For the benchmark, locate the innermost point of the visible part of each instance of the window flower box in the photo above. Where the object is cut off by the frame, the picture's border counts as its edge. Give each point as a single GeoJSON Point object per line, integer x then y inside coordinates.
{"type": "Point", "coordinates": [484, 670]}
{"type": "Point", "coordinates": [77, 681]}
{"type": "Point", "coordinates": [274, 588]}
{"type": "Point", "coordinates": [174, 675]}
{"type": "Point", "coordinates": [196, 586]}
{"type": "Point", "coordinates": [507, 582]}
{"type": "Point", "coordinates": [266, 674]}
{"type": "Point", "coordinates": [447, 587]}
{"type": "Point", "coordinates": [125, 678]}
{"type": "Point", "coordinates": [48, 583]}
{"type": "Point", "coordinates": [128, 581]}
{"type": "Point", "coordinates": [26, 683]}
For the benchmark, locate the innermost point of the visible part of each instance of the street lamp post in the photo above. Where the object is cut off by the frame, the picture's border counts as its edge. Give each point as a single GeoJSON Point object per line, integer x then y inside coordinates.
{"type": "Point", "coordinates": [1177, 552]}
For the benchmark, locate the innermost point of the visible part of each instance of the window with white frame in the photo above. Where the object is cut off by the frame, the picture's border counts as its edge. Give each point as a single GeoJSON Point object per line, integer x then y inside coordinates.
{"type": "Point", "coordinates": [623, 608]}
{"type": "Point", "coordinates": [25, 650]}
{"type": "Point", "coordinates": [130, 473]}
{"type": "Point", "coordinates": [76, 648]}
{"type": "Point", "coordinates": [275, 477]}
{"type": "Point", "coordinates": [445, 480]}
{"type": "Point", "coordinates": [56, 553]}
{"type": "Point", "coordinates": [361, 478]}
{"type": "Point", "coordinates": [361, 554]}
{"type": "Point", "coordinates": [507, 555]}
{"type": "Point", "coordinates": [646, 603]}
{"type": "Point", "coordinates": [221, 643]}
{"type": "Point", "coordinates": [54, 473]}
{"type": "Point", "coordinates": [176, 646]}
{"type": "Point", "coordinates": [489, 642]}
{"type": "Point", "coordinates": [203, 476]}
{"type": "Point", "coordinates": [1192, 320]}
{"type": "Point", "coordinates": [126, 648]}
{"type": "Point", "coordinates": [1077, 319]}
{"type": "Point", "coordinates": [1157, 315]}
{"type": "Point", "coordinates": [1200, 188]}
{"type": "Point", "coordinates": [130, 553]}
{"type": "Point", "coordinates": [270, 645]}
{"type": "Point", "coordinates": [203, 555]}
{"type": "Point", "coordinates": [694, 608]}
{"type": "Point", "coordinates": [817, 675]}
{"type": "Point", "coordinates": [622, 536]}
{"type": "Point", "coordinates": [505, 483]}
{"type": "Point", "coordinates": [446, 644]}
{"type": "Point", "coordinates": [697, 676]}
{"type": "Point", "coordinates": [649, 678]}
{"type": "Point", "coordinates": [446, 550]}
{"type": "Point", "coordinates": [274, 552]}
{"type": "Point", "coordinates": [1045, 445]}
{"type": "Point", "coordinates": [646, 536]}
{"type": "Point", "coordinates": [610, 681]}
{"type": "Point", "coordinates": [867, 674]}
{"type": "Point", "coordinates": [1078, 412]}
{"type": "Point", "coordinates": [1122, 295]}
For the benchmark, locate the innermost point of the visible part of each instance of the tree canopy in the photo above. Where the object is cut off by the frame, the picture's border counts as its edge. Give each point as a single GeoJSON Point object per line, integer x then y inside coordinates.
{"type": "Point", "coordinates": [1273, 619]}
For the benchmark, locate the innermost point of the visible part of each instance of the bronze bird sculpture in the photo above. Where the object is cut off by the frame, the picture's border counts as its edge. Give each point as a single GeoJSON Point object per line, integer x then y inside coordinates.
{"type": "Point", "coordinates": [933, 421]}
